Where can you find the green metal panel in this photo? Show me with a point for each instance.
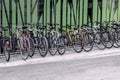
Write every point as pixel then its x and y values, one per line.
pixel 47 13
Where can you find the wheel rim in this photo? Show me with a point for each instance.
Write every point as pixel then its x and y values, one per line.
pixel 43 47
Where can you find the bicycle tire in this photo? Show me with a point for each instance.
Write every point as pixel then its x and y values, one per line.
pixel 25 49
pixel 32 48
pixel 118 39
pixel 98 41
pixel 115 39
pixel 52 45
pixel 88 42
pixel 107 41
pixel 6 51
pixel 43 46
pixel 61 45
pixel 77 43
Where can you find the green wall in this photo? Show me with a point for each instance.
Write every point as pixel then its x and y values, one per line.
pixel 58 12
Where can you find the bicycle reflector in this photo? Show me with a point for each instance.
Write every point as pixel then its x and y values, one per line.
pixel 8 44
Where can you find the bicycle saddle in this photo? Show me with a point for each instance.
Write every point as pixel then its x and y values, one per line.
pixel 51 27
pixel 117 24
pixel 24 27
pixel 60 29
pixel 43 27
pixel 5 28
pixel 97 22
pixel 68 25
pixel 75 28
pixel 85 25
pixel 114 24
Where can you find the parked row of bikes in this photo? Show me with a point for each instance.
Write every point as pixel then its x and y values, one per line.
pixel 32 37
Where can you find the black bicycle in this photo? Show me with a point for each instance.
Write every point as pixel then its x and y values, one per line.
pixel 56 42
pixel 106 34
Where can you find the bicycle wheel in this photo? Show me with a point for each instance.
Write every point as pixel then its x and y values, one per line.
pixel 118 39
pixel 87 42
pixel 32 48
pixel 77 43
pixel 107 41
pixel 43 46
pixel 98 42
pixel 52 45
pixel 25 49
pixel 115 39
pixel 6 50
pixel 61 45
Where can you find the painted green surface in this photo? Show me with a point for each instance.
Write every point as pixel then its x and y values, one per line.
pixel 58 12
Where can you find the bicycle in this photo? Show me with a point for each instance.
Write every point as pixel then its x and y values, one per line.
pixel 55 41
pixel 4 43
pixel 27 41
pixel 73 38
pixel 20 42
pixel 97 35
pixel 38 36
pixel 116 34
pixel 87 37
pixel 106 35
pixel 42 40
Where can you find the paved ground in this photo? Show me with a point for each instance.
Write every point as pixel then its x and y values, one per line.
pixel 17 56
pixel 95 65
pixel 106 68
